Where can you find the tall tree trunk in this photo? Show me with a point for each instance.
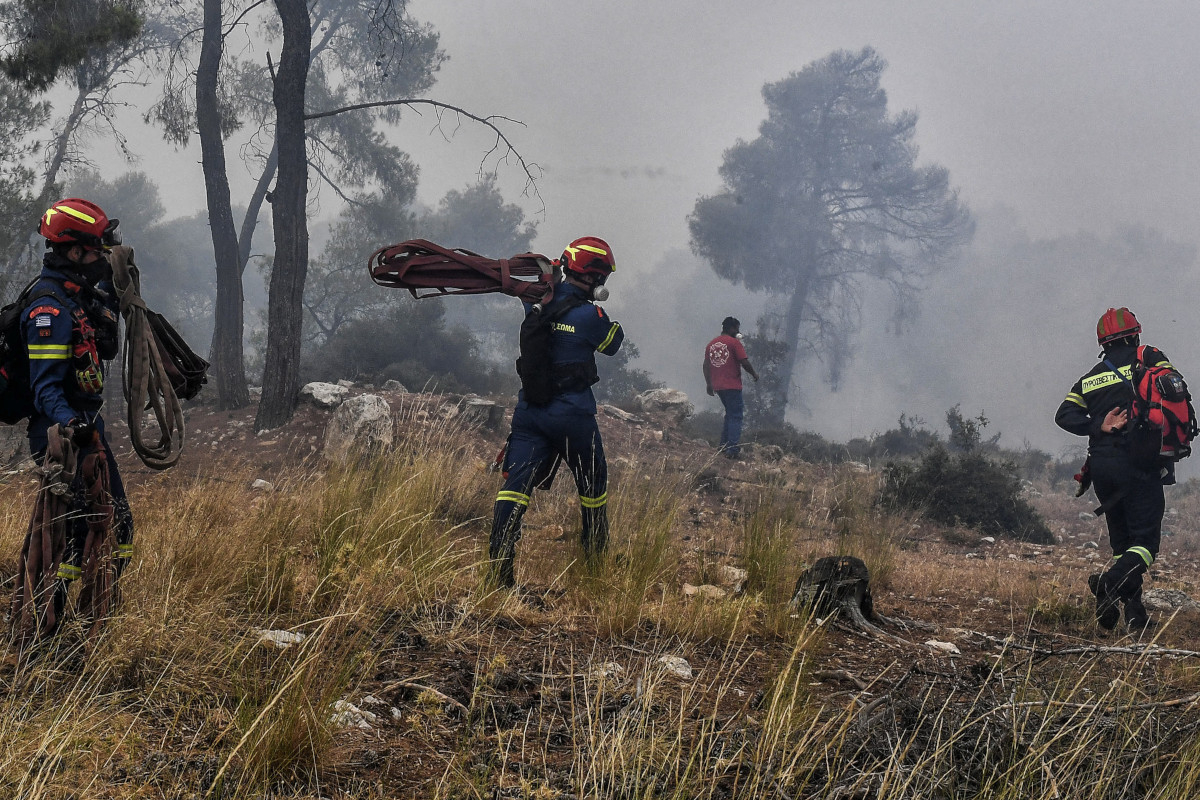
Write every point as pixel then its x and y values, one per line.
pixel 777 406
pixel 281 379
pixel 228 365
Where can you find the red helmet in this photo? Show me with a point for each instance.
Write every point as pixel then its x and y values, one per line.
pixel 1117 323
pixel 588 255
pixel 77 221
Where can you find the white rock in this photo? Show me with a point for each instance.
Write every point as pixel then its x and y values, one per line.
pixel 735 577
pixel 1086 515
pixel 988 539
pixel 945 647
pixel 670 402
pixel 704 590
pixel 618 413
pixel 609 669
pixel 281 639
pixel 346 384
pixel 361 424
pixel 348 715
pixel 324 395
pixel 1168 600
pixel 262 486
pixel 394 386
pixel 677 665
pixel 1090 546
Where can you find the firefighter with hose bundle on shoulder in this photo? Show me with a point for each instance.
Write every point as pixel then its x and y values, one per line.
pixel 69 322
pixel 555 417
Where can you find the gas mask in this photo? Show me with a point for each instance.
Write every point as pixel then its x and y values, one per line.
pixel 599 291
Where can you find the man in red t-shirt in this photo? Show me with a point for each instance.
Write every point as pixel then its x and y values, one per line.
pixel 724 359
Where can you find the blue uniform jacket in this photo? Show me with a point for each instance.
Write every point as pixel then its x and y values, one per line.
pixel 578 335
pixel 51 327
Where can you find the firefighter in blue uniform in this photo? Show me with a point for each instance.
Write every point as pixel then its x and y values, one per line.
pixel 564 428
pixel 70 324
pixel 1130 491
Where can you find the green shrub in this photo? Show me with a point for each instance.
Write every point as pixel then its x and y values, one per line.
pixel 965 489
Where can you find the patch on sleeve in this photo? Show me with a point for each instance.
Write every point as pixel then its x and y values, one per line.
pixel 44 310
pixel 43 321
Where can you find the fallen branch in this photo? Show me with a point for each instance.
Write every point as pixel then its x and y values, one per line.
pixel 841 674
pixel 419 687
pixel 1096 649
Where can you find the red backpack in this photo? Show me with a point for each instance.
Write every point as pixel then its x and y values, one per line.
pixel 1163 403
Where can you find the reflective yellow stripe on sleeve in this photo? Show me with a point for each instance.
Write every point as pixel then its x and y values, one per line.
pixel 1077 400
pixel 1105 379
pixel 49 352
pixel 513 497
pixel 593 502
pixel 69 572
pixel 608 339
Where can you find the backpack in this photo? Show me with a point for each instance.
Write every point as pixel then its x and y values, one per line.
pixel 1163 403
pixel 534 367
pixel 1162 422
pixel 16 395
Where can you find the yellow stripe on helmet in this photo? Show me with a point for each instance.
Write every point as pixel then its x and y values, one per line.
pixel 74 213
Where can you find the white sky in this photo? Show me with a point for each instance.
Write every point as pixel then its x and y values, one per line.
pixel 1077 114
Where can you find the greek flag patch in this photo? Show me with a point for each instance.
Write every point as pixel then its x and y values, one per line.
pixel 43 321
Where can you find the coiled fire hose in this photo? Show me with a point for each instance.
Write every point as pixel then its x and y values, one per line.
pixel 146 379
pixel 418 264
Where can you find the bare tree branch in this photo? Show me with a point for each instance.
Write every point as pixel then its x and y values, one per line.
pixel 488 121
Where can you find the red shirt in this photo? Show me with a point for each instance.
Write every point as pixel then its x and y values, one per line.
pixel 725 355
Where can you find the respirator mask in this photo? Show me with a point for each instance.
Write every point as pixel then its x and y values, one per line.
pixel 599 290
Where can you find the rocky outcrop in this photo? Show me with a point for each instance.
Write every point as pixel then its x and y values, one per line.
pixel 670 404
pixel 362 424
pixel 324 395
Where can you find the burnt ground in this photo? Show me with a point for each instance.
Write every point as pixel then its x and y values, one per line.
pixel 531 657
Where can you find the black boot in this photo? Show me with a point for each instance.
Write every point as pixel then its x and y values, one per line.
pixel 1136 618
pixel 1108 611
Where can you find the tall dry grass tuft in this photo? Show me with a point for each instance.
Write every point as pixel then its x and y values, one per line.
pixel 859 525
pixel 644 501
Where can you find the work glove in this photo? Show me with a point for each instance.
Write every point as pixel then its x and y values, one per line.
pixel 83 434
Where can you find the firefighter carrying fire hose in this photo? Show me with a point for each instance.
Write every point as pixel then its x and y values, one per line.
pixel 70 328
pixel 555 417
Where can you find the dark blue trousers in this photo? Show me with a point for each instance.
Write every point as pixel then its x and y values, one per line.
pixel 731 431
pixel 538 443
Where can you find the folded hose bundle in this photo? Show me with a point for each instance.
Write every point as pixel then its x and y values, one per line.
pixel 420 265
pixel 159 369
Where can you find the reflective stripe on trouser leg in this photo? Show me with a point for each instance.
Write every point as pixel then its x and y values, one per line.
pixel 506 523
pixel 1123 580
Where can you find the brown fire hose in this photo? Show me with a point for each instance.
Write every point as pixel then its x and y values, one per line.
pixel 33 612
pixel 419 265
pixel 146 373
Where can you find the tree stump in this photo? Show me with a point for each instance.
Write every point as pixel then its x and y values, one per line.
pixel 837 583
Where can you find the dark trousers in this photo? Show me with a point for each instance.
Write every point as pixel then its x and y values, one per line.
pixel 731 431
pixel 1134 502
pixel 536 445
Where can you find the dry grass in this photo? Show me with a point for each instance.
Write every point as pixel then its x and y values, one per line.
pixel 560 688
